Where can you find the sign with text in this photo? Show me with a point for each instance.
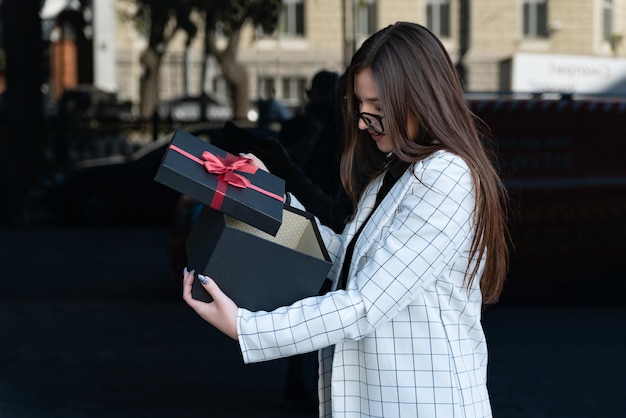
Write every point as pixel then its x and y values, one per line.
pixel 566 73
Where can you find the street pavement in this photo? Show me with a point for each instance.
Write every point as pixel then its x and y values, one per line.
pixel 92 325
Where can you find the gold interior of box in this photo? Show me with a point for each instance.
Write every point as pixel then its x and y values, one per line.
pixel 296 232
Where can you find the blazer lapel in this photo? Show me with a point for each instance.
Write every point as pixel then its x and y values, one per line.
pixel 385 211
pixel 382 216
pixel 363 210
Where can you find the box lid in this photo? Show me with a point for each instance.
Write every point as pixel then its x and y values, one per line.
pixel 224 182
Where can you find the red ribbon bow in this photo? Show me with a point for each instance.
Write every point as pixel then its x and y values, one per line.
pixel 225 168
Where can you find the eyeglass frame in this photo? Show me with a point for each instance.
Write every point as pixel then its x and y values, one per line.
pixel 364 117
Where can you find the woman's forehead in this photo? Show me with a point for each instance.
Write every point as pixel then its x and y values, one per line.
pixel 364 86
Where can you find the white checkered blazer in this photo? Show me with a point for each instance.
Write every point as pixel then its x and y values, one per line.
pixel 405 338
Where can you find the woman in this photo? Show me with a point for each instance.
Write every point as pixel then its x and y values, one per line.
pixel 400 334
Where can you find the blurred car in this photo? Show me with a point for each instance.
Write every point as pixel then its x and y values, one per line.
pixel 88 102
pixel 272 111
pixel 219 109
pixel 188 108
pixel 117 190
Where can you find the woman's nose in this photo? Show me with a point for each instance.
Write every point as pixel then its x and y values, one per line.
pixel 361 124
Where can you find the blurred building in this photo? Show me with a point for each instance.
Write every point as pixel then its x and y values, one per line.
pixel 493 42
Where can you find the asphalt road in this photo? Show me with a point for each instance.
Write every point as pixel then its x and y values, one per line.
pixel 92 325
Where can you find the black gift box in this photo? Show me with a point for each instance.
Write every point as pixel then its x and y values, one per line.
pixel 257 270
pixel 182 169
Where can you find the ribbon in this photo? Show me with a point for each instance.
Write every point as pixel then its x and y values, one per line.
pixel 225 168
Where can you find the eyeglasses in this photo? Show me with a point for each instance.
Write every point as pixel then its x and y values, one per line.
pixel 373 122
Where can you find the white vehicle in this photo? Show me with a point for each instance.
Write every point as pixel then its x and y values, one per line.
pixel 188 109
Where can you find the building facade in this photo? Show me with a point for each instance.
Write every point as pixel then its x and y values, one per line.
pixel 480 35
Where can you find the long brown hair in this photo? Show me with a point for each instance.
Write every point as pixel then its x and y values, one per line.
pixel 415 75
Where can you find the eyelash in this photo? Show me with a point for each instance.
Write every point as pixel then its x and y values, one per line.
pixel 359 103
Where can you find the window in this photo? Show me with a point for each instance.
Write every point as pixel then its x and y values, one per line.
pixel 607 19
pixel 267 88
pixel 364 18
pixel 291 20
pixel 535 18
pixel 294 89
pixel 438 17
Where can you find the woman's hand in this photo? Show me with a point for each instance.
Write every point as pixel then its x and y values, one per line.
pixel 221 313
pixel 254 160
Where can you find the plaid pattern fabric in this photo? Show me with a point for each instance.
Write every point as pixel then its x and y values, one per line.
pixel 405 338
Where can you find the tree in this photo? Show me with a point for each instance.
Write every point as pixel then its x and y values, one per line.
pixel 161 19
pixel 229 17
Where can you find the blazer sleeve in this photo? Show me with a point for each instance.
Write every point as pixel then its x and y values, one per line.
pixel 413 242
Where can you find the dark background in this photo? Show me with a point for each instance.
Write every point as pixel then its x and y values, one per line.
pixel 92 324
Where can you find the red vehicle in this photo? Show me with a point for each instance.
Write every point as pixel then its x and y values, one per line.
pixel 562 160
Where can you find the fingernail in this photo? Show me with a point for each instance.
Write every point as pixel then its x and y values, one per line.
pixel 185 270
pixel 203 279
pixel 193 271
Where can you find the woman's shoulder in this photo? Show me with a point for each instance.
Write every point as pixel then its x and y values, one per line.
pixel 442 171
pixel 440 161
